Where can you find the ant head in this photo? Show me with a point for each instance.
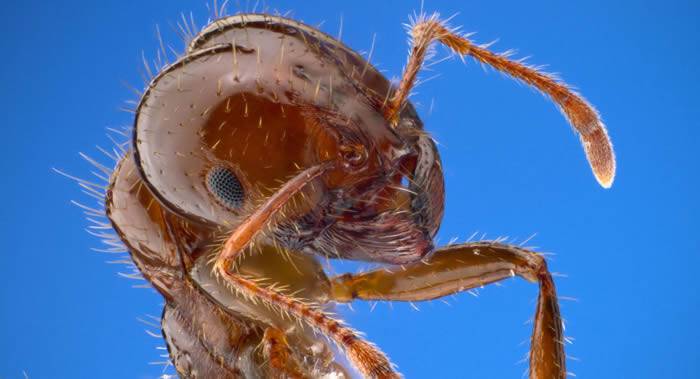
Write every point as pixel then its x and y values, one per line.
pixel 254 100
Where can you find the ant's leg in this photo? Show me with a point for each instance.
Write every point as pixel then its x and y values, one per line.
pixel 582 116
pixel 367 358
pixel 277 352
pixel 461 267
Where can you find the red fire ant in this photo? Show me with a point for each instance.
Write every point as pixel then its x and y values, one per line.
pixel 268 144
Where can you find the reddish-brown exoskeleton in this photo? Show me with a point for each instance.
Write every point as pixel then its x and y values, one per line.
pixel 269 144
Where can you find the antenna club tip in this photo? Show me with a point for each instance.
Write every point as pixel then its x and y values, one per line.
pixel 601 156
pixel 605 181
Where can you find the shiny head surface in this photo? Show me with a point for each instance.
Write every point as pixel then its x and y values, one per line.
pixel 258 98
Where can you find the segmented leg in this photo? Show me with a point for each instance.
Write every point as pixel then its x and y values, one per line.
pixel 278 354
pixel 582 116
pixel 367 358
pixel 462 267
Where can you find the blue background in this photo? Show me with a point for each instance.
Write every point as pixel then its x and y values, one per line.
pixel 513 168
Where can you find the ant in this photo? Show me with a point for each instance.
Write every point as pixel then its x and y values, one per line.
pixel 269 144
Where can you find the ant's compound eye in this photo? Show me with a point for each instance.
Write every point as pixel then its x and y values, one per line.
pixel 225 187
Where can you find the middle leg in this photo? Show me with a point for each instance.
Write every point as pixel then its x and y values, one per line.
pixel 462 267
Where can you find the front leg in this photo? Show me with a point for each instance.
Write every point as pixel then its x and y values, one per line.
pixel 462 267
pixel 367 358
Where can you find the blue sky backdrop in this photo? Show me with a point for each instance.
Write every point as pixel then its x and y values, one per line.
pixel 629 255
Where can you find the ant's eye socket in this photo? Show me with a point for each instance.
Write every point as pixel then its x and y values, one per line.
pixel 354 155
pixel 225 186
